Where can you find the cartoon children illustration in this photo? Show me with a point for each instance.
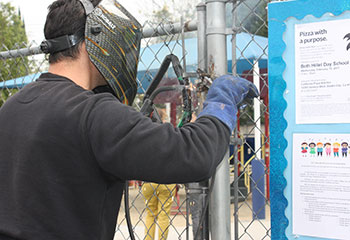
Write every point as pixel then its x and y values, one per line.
pixel 319 149
pixel 304 148
pixel 328 148
pixel 344 149
pixel 336 146
pixel 312 149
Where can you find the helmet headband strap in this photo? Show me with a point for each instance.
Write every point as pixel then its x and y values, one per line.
pixel 60 43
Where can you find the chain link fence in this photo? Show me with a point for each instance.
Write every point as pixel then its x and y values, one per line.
pixel 164 210
pixel 16 72
pixel 158 211
pixel 252 208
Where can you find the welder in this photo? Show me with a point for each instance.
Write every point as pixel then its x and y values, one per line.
pixel 66 152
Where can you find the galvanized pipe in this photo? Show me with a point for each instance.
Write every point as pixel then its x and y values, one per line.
pixel 202 37
pixel 234 38
pixel 171 28
pixel 147 33
pixel 236 161
pixel 20 53
pixel 219 205
pixel 216 37
pixel 220 216
pixel 198 192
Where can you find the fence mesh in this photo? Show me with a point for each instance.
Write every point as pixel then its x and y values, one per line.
pixel 16 72
pixel 157 210
pixel 251 213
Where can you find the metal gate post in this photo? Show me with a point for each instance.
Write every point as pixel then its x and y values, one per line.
pixel 202 36
pixel 220 216
pixel 236 161
pixel 198 192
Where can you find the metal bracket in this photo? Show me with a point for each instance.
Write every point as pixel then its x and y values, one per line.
pixel 222 31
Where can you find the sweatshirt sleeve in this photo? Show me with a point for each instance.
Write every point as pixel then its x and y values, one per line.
pixel 129 146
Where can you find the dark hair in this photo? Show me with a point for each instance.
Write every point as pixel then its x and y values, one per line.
pixel 313 144
pixel 65 17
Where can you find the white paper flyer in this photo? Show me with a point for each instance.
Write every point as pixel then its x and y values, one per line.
pixel 321 185
pixel 322 72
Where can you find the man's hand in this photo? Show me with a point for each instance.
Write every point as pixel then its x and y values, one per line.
pixel 225 95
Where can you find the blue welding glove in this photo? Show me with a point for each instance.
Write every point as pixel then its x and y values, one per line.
pixel 224 97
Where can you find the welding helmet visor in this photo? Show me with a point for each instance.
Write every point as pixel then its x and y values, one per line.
pixel 113 37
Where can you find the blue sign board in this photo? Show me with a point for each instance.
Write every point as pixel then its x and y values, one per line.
pixel 309 85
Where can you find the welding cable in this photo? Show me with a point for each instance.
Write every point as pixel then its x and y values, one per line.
pixel 171 58
pixel 127 211
pixel 147 108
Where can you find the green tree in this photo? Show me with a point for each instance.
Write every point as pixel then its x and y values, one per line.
pixel 12 36
pixel 5 94
pixel 251 16
pixel 258 20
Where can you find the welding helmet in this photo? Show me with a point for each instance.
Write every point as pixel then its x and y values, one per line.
pixel 112 37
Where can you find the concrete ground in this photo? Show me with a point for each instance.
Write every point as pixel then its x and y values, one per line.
pixel 248 229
